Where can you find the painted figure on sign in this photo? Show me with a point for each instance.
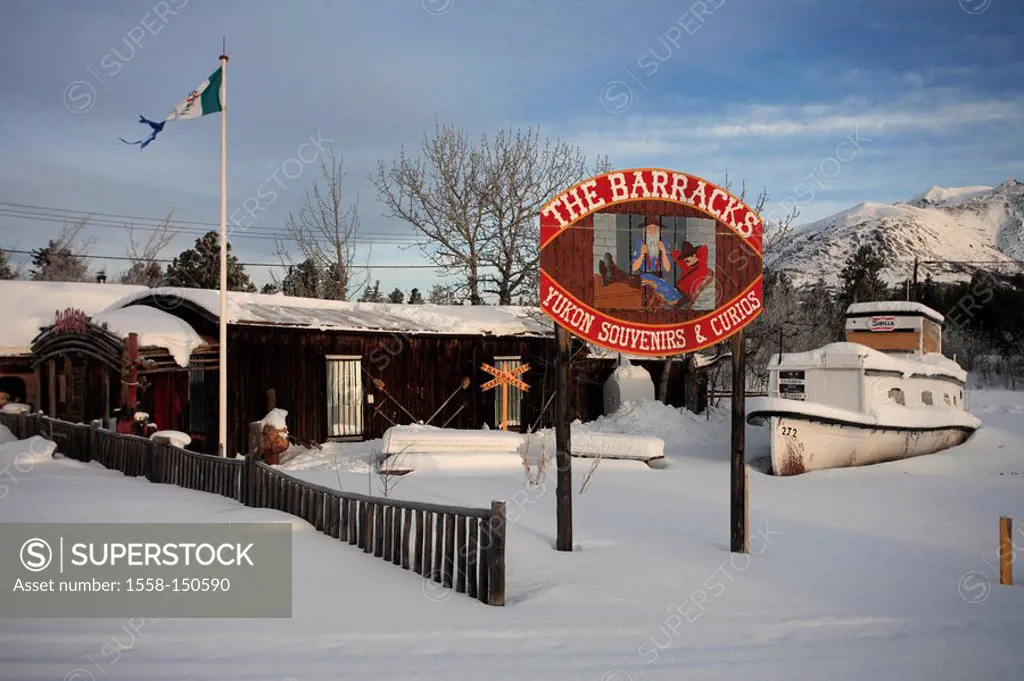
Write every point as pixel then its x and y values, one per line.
pixel 694 273
pixel 650 254
pixel 651 261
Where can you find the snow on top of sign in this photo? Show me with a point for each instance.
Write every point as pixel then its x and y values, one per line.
pixel 840 354
pixel 155 328
pixel 628 371
pixel 28 306
pixel 700 358
pixel 894 307
pixel 278 310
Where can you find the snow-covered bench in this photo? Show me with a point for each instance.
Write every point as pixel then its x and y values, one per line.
pixel 415 439
pixel 416 447
pixel 615 445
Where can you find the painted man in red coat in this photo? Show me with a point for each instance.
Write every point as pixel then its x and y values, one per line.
pixel 694 273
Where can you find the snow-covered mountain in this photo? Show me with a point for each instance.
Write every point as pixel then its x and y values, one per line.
pixel 966 223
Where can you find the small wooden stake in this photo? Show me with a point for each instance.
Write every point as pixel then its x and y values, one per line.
pixel 1005 550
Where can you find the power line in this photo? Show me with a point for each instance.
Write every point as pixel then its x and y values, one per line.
pixel 281 229
pixel 55 215
pixel 235 233
pixel 245 264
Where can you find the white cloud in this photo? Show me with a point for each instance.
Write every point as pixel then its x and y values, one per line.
pixel 934 110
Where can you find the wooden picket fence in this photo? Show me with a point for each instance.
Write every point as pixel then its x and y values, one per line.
pixel 458 549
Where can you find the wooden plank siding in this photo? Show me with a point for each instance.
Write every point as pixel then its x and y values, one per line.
pixel 886 341
pixel 420 372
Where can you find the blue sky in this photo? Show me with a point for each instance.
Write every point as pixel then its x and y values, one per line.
pixel 826 103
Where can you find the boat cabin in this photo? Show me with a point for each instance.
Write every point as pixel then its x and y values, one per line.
pixel 895 326
pixel 892 356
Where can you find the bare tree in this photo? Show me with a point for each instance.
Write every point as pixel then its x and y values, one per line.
pixel 475 204
pixel 389 469
pixel 522 173
pixel 7 270
pixel 325 230
pixel 534 477
pixel 144 252
pixel 779 304
pixel 439 196
pixel 440 295
pixel 602 165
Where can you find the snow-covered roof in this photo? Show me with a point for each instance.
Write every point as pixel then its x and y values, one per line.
pixel 894 307
pixel 857 355
pixel 28 306
pixel 279 310
pixel 155 328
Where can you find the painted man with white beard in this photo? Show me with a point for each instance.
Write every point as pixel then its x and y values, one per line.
pixel 651 260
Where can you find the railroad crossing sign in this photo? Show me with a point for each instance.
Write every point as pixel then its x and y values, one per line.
pixel 505 378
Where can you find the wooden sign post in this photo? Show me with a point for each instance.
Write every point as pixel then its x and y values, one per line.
pixel 688 276
pixel 563 444
pixel 738 533
pixel 505 379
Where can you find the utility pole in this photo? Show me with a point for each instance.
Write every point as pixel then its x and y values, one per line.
pixel 916 296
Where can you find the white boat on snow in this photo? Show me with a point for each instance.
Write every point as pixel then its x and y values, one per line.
pixel 886 393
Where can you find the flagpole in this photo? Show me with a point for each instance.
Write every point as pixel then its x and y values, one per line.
pixel 223 382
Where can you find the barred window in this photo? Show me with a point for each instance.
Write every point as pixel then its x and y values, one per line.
pixel 515 395
pixel 196 400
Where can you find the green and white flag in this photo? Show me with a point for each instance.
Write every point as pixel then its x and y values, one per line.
pixel 206 99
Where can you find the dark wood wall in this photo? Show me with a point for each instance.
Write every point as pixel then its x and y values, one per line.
pixel 420 372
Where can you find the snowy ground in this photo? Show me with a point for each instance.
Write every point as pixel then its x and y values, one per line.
pixel 870 573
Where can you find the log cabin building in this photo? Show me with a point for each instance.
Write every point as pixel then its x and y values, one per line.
pixel 342 370
pixel 28 306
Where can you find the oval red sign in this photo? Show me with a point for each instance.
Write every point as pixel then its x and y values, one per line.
pixel 649 261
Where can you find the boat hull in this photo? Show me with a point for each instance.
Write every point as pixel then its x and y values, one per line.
pixel 801 444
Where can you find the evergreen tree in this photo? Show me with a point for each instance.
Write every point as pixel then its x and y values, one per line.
pixel 335 282
pixel 397 296
pixel 415 297
pixel 7 272
pixel 826 315
pixel 199 267
pixel 372 295
pixel 149 274
pixel 57 262
pixel 861 277
pixel 270 288
pixel 929 294
pixel 304 280
pixel 441 295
